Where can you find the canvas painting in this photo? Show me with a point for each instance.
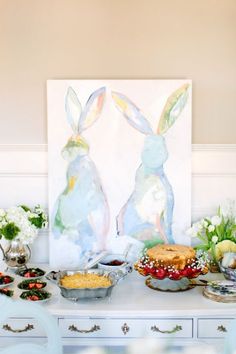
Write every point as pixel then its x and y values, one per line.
pixel 119 165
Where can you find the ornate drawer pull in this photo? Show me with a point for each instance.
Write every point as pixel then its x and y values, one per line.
pixel 73 328
pixel 174 330
pixel 29 327
pixel 125 328
pixel 221 328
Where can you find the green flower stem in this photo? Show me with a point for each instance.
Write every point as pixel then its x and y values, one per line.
pixel 213 252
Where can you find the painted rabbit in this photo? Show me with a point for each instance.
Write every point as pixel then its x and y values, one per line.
pixel 81 212
pixel 148 213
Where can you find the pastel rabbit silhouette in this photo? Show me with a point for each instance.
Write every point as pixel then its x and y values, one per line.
pixel 81 211
pixel 148 213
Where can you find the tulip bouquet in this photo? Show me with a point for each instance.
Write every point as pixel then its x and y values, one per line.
pixel 217 234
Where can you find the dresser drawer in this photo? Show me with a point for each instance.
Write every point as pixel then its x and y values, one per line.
pixel 21 327
pixel 126 328
pixel 213 328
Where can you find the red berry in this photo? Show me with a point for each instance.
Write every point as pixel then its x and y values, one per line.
pixel 176 275
pixel 6 280
pixel 152 271
pixel 195 272
pixel 39 285
pixel 160 273
pixel 184 272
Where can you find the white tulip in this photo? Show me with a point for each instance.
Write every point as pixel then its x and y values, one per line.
pixel 211 228
pixel 192 232
pixel 2 213
pixel 214 239
pixel 216 220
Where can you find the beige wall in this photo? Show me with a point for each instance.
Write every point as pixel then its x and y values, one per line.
pixel 50 39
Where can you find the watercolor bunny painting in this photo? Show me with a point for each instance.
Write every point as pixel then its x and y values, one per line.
pixel 81 211
pixel 147 215
pixel 117 170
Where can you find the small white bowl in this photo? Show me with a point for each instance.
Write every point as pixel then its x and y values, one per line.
pixel 125 266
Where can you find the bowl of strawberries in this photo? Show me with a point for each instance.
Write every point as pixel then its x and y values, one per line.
pixel 31 273
pixel 5 280
pixel 35 295
pixel 32 284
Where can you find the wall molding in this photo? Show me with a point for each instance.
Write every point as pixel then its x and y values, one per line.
pixel 24 172
pixel 44 147
pixel 214 147
pixel 23 147
pixel 208 160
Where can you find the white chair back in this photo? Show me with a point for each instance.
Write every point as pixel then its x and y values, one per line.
pixel 21 308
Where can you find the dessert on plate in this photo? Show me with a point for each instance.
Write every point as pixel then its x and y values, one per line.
pixel 171 261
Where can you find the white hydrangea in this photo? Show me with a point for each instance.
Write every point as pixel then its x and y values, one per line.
pixel 19 217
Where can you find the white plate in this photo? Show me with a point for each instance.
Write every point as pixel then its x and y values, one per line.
pixel 8 284
pixel 31 278
pixel 37 301
pixel 222 288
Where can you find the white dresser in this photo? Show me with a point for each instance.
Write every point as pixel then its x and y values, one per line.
pixel 132 311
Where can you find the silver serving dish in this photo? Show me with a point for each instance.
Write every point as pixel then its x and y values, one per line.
pixel 229 273
pixel 76 294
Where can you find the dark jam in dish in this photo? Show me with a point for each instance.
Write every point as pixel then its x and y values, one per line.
pixel 114 263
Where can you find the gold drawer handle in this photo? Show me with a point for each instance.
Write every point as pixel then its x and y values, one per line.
pixel 125 328
pixel 174 330
pixel 73 328
pixel 8 328
pixel 221 328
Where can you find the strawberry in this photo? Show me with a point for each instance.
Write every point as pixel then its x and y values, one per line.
pixel 184 272
pixel 6 280
pixel 195 272
pixel 33 298
pixel 160 273
pixel 176 275
pixel 38 285
pixel 31 285
pixel 27 275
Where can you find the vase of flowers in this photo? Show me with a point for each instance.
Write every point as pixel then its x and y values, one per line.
pixel 19 227
pixel 217 234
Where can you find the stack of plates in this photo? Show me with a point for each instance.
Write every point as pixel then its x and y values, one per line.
pixel 221 291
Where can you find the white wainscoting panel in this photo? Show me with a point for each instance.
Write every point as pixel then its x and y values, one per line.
pixel 23 179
